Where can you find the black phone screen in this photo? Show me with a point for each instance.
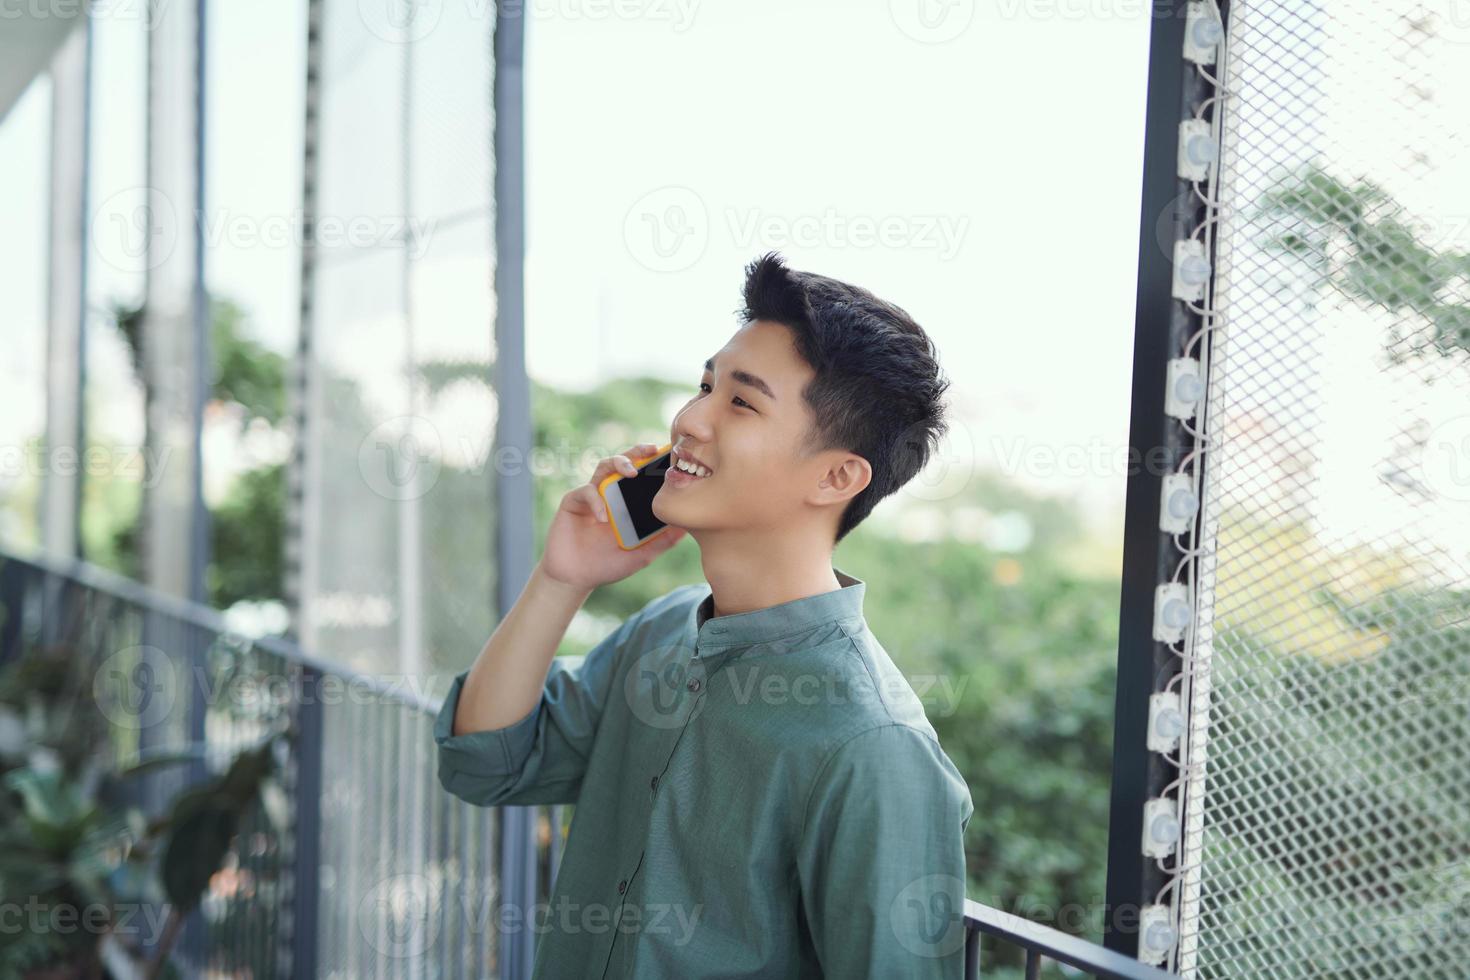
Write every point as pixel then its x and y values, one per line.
pixel 639 491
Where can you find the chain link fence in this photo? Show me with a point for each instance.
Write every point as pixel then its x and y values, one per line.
pixel 1324 790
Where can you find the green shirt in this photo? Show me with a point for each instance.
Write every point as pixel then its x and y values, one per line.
pixel 758 795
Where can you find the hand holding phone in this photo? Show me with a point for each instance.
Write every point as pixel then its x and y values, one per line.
pixel 582 549
pixel 628 497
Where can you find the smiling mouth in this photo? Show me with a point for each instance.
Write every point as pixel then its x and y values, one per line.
pixel 673 461
pixel 681 478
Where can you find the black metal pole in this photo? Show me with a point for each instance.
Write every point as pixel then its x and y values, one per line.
pixel 13 579
pixel 299 951
pixel 306 795
pixel 1157 443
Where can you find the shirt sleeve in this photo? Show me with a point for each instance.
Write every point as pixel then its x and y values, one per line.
pixel 542 757
pixel 881 863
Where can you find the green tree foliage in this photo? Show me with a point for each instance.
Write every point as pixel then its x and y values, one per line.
pixel 1355 236
pixel 245 370
pixel 246 530
pixel 247 533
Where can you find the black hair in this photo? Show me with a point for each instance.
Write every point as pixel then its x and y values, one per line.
pixel 877 389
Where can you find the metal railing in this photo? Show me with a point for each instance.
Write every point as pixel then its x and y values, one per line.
pixel 1040 943
pixel 375 870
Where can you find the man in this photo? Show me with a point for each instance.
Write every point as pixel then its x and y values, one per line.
pixel 758 790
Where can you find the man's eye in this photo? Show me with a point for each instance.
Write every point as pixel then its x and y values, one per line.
pixel 738 400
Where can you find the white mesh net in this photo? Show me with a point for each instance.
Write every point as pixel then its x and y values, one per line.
pixel 1326 791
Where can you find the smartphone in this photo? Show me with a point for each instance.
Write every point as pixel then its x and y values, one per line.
pixel 629 499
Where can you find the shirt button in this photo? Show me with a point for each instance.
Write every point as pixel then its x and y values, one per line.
pixel 693 684
pixel 653 783
pixel 622 886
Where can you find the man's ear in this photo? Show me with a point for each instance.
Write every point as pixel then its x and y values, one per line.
pixel 847 478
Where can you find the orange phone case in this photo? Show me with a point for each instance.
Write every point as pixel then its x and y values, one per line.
pixel 638 461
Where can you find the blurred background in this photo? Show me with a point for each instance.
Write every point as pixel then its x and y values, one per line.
pixel 314 309
pixel 665 147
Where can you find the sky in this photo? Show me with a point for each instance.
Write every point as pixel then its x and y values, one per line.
pixel 977 164
pixel 987 182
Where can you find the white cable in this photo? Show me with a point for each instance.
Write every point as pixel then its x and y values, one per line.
pixel 1205 232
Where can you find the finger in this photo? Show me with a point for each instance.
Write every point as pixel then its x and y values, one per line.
pixel 619 464
pixel 607 466
pixel 591 502
pixel 644 451
pixel 623 466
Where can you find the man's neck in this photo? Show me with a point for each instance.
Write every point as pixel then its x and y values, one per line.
pixel 744 581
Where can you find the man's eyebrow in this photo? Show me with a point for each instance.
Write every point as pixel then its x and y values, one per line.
pixel 745 378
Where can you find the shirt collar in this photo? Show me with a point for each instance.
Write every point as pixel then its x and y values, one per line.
pixel 783 619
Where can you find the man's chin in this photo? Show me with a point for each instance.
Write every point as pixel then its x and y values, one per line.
pixel 670 513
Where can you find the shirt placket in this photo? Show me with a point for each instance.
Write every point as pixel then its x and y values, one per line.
pixel 695 681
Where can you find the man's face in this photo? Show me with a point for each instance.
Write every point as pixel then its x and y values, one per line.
pixel 749 438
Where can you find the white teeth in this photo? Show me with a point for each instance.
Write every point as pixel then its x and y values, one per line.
pixel 693 468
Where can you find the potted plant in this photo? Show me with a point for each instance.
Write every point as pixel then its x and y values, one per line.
pixel 71 858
